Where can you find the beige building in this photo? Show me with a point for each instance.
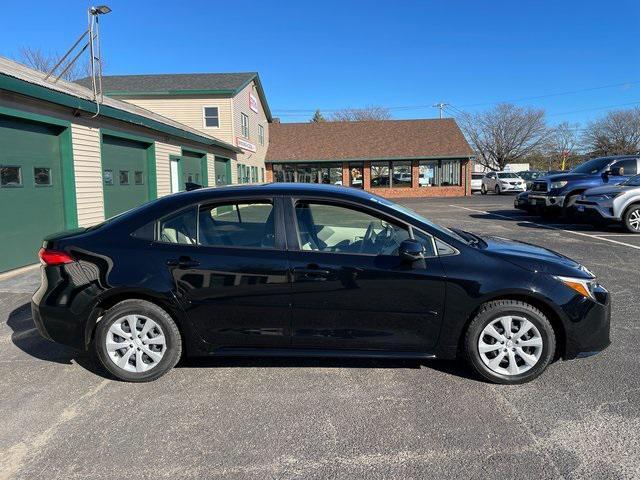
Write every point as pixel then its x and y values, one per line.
pixel 230 106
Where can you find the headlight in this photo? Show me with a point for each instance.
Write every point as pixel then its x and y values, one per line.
pixel 583 286
pixel 604 196
pixel 561 184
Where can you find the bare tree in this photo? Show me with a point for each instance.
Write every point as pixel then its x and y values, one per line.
pixel 617 133
pixel 563 145
pixel 44 62
pixel 361 114
pixel 505 134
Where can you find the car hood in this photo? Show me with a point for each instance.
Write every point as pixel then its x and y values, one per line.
pixel 570 177
pixel 610 189
pixel 533 257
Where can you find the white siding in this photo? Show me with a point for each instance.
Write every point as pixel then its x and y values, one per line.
pixel 241 105
pixel 163 167
pixel 88 174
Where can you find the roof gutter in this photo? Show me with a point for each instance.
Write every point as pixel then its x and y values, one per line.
pixel 26 88
pixel 371 159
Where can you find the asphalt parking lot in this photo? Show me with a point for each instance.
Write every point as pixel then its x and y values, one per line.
pixel 257 418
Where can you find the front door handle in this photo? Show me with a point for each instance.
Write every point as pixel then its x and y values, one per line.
pixel 182 262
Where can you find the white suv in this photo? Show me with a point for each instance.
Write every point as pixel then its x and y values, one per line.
pixel 502 182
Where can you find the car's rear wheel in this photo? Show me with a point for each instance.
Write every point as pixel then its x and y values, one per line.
pixel 509 342
pixel 137 341
pixel 632 219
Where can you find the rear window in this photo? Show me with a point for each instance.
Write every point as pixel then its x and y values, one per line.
pixel 477 176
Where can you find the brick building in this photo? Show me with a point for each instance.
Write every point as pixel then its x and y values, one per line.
pixel 393 158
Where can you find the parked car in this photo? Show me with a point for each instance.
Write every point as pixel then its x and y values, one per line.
pixel 317 270
pixel 530 175
pixel 502 182
pixel 476 182
pixel 522 201
pixel 614 203
pixel 557 194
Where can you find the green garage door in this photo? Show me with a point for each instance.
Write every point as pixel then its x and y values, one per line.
pixel 125 174
pixel 194 168
pixel 31 194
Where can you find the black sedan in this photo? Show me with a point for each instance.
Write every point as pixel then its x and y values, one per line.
pixel 310 270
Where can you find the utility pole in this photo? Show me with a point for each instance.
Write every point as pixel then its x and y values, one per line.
pixel 440 106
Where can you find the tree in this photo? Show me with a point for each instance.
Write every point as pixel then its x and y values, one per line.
pixel 563 144
pixel 44 62
pixel 317 117
pixel 361 114
pixel 617 133
pixel 505 134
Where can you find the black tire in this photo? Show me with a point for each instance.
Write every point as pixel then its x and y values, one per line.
pixel 498 308
pixel 483 189
pixel 173 340
pixel 497 190
pixel 629 215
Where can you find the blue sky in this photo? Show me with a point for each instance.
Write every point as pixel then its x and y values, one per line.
pixel 335 54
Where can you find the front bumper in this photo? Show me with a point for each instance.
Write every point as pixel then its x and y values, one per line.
pixel 603 210
pixel 547 201
pixel 588 331
pixel 512 188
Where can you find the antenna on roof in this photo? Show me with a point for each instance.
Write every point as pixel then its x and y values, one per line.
pixel 95 61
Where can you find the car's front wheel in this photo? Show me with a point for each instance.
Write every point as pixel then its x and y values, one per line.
pixel 509 342
pixel 483 189
pixel 632 219
pixel 497 190
pixel 137 341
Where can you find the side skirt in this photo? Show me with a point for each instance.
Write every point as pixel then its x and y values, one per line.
pixel 316 353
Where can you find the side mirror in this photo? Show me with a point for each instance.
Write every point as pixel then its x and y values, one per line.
pixel 411 250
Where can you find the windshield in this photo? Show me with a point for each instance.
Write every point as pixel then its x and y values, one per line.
pixel 507 175
pixel 633 181
pixel 418 217
pixel 592 166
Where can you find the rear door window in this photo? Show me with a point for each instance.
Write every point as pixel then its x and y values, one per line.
pixel 238 224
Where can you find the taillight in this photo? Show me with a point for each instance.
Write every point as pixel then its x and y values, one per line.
pixel 54 257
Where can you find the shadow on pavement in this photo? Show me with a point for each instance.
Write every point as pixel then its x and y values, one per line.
pixel 26 338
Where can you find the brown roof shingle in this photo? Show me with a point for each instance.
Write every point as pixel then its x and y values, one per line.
pixel 385 139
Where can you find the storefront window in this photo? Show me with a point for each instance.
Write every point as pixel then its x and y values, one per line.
pixel 444 173
pixel 380 174
pixel 450 173
pixel 356 175
pixel 401 174
pixel 328 173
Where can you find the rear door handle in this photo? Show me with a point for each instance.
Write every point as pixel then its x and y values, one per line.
pixel 182 262
pixel 312 273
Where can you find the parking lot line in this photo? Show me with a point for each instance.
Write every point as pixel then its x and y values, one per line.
pixel 582 234
pixel 618 235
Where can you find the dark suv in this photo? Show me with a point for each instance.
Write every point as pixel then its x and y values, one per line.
pixel 558 193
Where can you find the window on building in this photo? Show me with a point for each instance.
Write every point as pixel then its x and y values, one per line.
pixel 124 177
pixel 138 177
pixel 10 176
pixel 380 174
pixel 42 176
pixel 262 175
pixel 211 117
pixel 327 173
pixel 108 177
pixel 244 119
pixel 356 175
pixel 261 134
pixel 334 228
pixel 238 225
pixel 401 174
pixel 434 173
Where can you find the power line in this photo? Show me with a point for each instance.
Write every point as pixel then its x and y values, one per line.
pixel 301 112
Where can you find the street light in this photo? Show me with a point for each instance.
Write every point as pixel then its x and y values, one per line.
pixel 101 10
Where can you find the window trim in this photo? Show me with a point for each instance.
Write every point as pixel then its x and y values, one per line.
pixel 243 117
pixel 37 185
pixel 19 167
pixel 204 116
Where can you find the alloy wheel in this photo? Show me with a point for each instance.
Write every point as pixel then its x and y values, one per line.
pixel 634 220
pixel 510 345
pixel 135 343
